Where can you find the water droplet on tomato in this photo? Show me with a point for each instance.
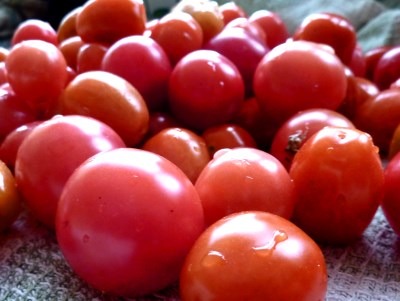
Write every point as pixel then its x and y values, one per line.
pixel 278 237
pixel 213 258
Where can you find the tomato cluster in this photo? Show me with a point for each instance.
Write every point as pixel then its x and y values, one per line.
pixel 210 147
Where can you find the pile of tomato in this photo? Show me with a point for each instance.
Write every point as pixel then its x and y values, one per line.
pixel 209 148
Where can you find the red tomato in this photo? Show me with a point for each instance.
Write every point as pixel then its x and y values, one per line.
pixel 67 26
pixel 394 146
pixel 358 63
pixel 205 89
pixel 243 179
pixel 143 63
pixel 274 27
pixel 371 59
pixel 331 29
pixel 296 76
pixel 182 147
pixel 178 33
pixel 90 57
pixel 338 180
pixel 70 48
pixel 37 72
pixel 299 128
pixel 387 68
pixel 126 220
pixel 231 10
pixel 391 200
pixel 254 30
pixel 62 143
pixel 254 256
pixel 34 29
pixel 227 135
pixel 159 121
pixel 105 22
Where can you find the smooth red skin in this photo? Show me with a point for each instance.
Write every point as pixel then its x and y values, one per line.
pixel 10 145
pixel 338 180
pixel 391 200
pixel 228 135
pixel 243 179
pixel 371 59
pixel 142 62
pixel 126 220
pixel 252 29
pixel 299 128
pixel 275 29
pixel 51 152
pixel 358 63
pixel 243 50
pixel 297 76
pixel 106 22
pixel 379 116
pixel 238 259
pixel 231 11
pixel 13 111
pixel 34 29
pixel 90 57
pixel 70 48
pixel 387 68
pixel 205 89
pixel 331 29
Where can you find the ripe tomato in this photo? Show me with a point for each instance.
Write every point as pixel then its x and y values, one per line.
pixel 105 22
pixel 110 99
pixel 67 26
pixel 372 57
pixel 10 200
pixel 254 30
pixel 182 147
pixel 62 143
pixel 331 29
pixel 159 121
pixel 387 68
pixel 144 64
pixel 299 75
pixel 205 89
pixel 243 179
pixel 37 72
pixel 70 48
pixel 231 10
pixel 299 128
pixel 391 200
pixel 90 57
pixel 178 33
pixel 34 29
pixel 126 220
pixel 338 180
pixel 254 256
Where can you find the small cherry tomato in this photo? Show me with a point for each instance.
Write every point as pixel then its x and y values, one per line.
pixel 90 57
pixel 34 29
pixel 338 182
pixel 254 255
pixel 70 48
pixel 387 68
pixel 372 57
pixel 231 10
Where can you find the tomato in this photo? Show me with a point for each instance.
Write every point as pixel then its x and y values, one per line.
pixel 387 68
pixel 126 220
pixel 34 29
pixel 62 143
pixel 159 121
pixel 143 63
pixel 299 128
pixel 105 22
pixel 331 29
pixel 110 99
pixel 274 27
pixel 372 57
pixel 228 135
pixel 296 76
pixel 379 116
pixel 67 25
pixel 391 200
pixel 358 63
pixel 254 256
pixel 205 89
pixel 10 200
pixel 244 50
pixel 90 57
pixel 13 111
pixel 37 72
pixel 70 48
pixel 231 10
pixel 178 33
pixel 182 147
pixel 254 30
pixel 338 180
pixel 243 179
pixel 394 146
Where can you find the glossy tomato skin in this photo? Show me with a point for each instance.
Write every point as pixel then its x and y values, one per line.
pixel 338 180
pixel 205 89
pixel 391 200
pixel 256 256
pixel 243 179
pixel 144 64
pixel 297 129
pixel 299 75
pixel 231 10
pixel 126 220
pixel 62 143
pixel 387 68
pixel 90 57
pixel 34 29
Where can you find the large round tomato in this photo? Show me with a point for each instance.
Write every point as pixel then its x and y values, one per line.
pixel 51 152
pixel 338 182
pixel 242 179
pixel 255 256
pixel 205 88
pixel 299 75
pixel 126 220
